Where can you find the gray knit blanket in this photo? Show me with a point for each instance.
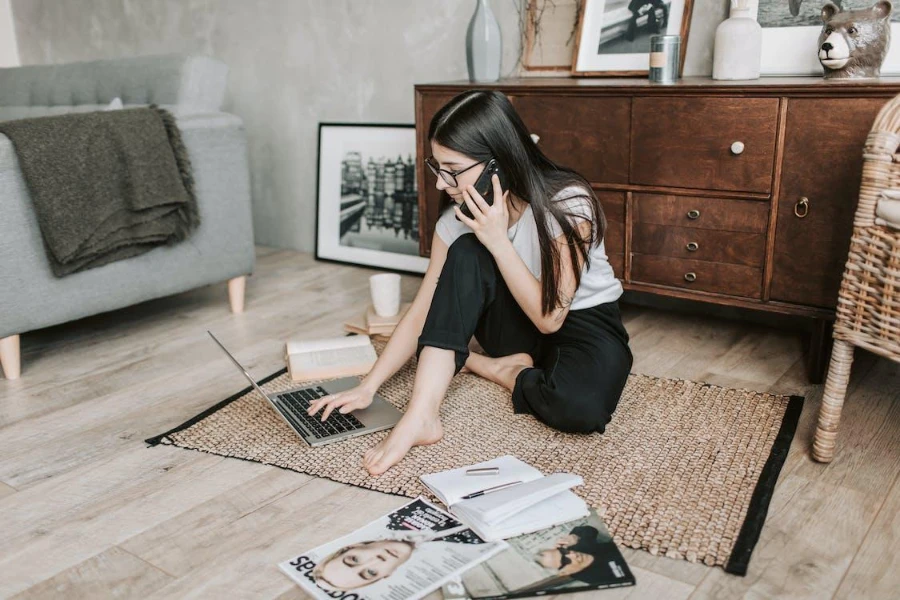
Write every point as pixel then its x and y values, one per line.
pixel 105 185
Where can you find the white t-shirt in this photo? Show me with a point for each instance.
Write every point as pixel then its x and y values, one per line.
pixel 598 284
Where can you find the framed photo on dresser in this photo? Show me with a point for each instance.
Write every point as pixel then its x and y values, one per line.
pixel 367 211
pixel 613 36
pixel 790 36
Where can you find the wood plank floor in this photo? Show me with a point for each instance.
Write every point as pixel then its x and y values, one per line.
pixel 89 511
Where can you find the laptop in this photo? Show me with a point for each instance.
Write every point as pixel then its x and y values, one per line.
pixel 293 404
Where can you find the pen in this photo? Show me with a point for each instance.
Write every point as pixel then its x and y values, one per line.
pixel 483 471
pixel 496 488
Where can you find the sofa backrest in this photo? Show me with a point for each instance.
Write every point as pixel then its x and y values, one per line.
pixel 187 83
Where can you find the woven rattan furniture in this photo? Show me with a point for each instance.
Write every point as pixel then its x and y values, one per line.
pixel 868 311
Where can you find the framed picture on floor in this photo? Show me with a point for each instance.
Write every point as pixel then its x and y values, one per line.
pixel 790 36
pixel 367 211
pixel 613 36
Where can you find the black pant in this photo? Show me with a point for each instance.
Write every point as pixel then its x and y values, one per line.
pixel 580 370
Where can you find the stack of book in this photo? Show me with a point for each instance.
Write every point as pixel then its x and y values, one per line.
pixel 370 323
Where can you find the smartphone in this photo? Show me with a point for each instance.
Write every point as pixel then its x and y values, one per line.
pixel 485 186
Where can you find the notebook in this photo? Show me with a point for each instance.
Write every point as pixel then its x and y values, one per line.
pixel 536 503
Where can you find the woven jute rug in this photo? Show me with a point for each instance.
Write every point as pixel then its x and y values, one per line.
pixel 685 469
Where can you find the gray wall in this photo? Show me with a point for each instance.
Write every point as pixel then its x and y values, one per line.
pixel 295 63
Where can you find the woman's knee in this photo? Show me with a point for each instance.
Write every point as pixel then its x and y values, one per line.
pixel 468 249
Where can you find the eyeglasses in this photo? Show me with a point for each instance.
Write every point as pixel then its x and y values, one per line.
pixel 448 176
pixel 563 559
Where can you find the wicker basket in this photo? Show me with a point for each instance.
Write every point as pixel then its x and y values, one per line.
pixel 868 311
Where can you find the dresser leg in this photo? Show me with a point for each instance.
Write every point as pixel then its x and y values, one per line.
pixel 820 344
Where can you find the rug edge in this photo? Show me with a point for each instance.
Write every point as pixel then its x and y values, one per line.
pixel 755 518
pixel 157 439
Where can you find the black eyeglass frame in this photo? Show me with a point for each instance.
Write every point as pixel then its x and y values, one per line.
pixel 445 174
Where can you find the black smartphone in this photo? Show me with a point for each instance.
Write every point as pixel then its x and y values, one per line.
pixel 485 186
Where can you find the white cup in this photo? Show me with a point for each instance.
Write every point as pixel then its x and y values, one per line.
pixel 385 289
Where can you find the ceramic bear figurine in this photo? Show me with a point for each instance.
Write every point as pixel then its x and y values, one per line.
pixel 853 43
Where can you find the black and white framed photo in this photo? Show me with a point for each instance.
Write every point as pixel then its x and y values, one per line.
pixel 367 209
pixel 613 36
pixel 790 36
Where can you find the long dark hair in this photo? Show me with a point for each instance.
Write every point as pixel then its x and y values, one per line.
pixel 483 124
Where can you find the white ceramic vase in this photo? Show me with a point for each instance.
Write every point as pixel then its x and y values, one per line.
pixel 484 47
pixel 738 47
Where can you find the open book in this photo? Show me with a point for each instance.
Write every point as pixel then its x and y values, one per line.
pixel 328 358
pixel 537 502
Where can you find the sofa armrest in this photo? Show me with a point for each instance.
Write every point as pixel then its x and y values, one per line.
pixel 193 83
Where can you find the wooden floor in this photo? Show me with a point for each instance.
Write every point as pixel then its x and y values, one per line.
pixel 89 511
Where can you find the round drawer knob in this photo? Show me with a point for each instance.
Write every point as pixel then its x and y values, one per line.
pixel 693 214
pixel 690 277
pixel 737 148
pixel 693 246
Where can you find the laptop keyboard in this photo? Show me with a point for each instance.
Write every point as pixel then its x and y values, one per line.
pixel 295 405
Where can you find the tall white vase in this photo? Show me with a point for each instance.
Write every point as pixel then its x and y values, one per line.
pixel 738 47
pixel 483 44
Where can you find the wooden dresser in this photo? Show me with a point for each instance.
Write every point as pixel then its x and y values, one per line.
pixel 732 193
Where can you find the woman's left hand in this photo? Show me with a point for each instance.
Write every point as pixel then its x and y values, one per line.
pixel 491 222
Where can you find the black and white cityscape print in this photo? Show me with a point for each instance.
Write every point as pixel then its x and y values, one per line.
pixel 379 203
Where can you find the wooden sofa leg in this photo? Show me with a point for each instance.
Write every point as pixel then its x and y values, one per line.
pixel 9 357
pixel 236 289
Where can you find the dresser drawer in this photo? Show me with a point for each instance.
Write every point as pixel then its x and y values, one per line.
pixel 720 278
pixel 751 216
pixel 705 143
pixel 588 134
pixel 733 247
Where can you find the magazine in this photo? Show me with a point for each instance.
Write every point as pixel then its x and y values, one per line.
pixel 573 557
pixel 403 555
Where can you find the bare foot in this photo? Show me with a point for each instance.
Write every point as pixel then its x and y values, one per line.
pixel 502 370
pixel 412 430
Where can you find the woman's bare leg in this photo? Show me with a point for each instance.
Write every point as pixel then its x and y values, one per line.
pixel 502 370
pixel 421 423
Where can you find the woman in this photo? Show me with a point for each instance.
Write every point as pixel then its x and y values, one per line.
pixel 528 277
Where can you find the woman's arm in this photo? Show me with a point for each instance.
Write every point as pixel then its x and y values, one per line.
pixel 526 288
pixel 404 340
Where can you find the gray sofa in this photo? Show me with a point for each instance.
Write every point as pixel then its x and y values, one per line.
pixel 220 249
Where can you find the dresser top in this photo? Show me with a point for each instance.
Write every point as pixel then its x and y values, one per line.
pixel 705 85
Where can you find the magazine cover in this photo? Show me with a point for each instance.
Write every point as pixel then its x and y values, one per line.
pixel 403 555
pixel 573 557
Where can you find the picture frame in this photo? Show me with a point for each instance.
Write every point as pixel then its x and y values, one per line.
pixel 613 38
pixel 790 43
pixel 367 196
pixel 549 37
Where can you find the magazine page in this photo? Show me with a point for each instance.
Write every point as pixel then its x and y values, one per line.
pixel 573 557
pixel 403 555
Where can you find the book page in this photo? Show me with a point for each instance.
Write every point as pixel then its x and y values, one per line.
pixel 326 358
pixel 344 341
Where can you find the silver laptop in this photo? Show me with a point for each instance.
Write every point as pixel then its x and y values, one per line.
pixel 292 406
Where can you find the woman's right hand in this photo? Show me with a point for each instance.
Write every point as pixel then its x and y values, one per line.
pixel 353 399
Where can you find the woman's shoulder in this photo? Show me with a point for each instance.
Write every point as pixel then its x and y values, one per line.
pixel 574 200
pixel 449 227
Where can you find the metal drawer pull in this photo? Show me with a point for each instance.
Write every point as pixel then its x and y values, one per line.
pixel 693 214
pixel 690 277
pixel 802 205
pixel 737 148
pixel 693 246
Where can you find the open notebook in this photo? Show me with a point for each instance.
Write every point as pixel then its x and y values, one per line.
pixel 536 503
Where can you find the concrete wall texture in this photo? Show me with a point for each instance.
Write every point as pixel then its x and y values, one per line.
pixel 293 64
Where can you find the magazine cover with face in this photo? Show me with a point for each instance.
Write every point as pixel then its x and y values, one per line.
pixel 573 557
pixel 403 555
